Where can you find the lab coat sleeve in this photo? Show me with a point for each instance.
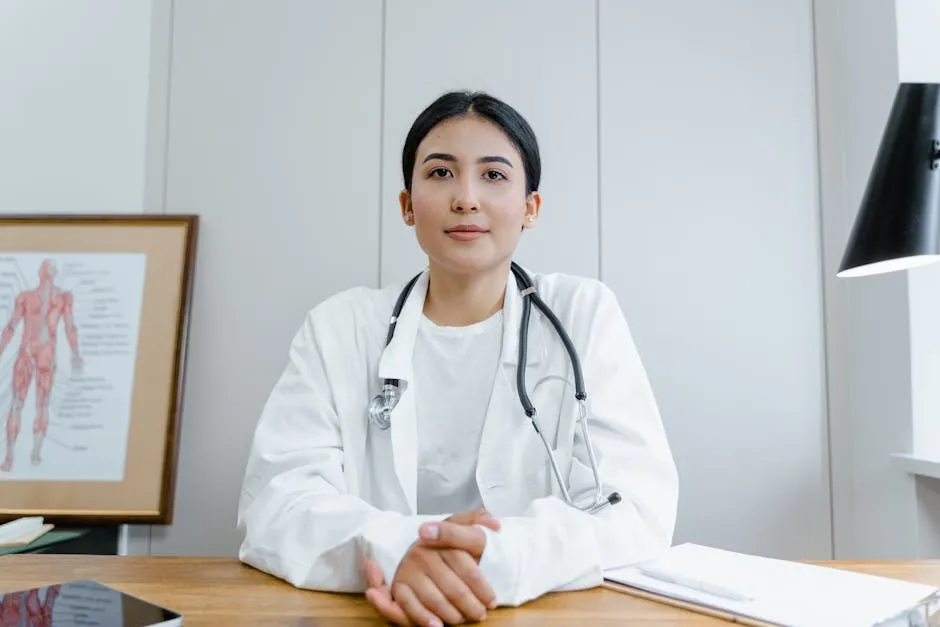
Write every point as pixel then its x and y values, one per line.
pixel 298 520
pixel 554 547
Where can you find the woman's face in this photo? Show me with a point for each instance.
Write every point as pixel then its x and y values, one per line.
pixel 468 200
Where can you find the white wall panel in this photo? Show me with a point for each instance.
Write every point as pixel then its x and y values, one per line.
pixel 539 57
pixel 74 81
pixel 81 86
pixel 710 236
pixel 869 348
pixel 274 141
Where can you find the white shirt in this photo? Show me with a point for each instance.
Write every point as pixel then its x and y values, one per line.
pixel 456 367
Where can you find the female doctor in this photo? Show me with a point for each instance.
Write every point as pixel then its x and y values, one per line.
pixel 413 453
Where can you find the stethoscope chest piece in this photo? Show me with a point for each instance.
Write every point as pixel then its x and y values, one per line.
pixel 382 405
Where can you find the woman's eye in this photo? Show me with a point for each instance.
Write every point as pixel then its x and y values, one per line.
pixel 439 172
pixel 494 175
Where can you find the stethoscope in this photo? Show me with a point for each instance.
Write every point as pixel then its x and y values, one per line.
pixel 382 405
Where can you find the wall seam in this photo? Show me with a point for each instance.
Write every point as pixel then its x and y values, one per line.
pixel 826 393
pixel 597 121
pixel 166 132
pixel 166 159
pixel 381 136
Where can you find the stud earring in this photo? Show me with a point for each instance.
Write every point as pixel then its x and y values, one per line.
pixel 531 219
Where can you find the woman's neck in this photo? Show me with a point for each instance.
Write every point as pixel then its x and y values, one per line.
pixel 462 300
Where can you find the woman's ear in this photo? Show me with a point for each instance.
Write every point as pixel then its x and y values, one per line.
pixel 407 213
pixel 533 205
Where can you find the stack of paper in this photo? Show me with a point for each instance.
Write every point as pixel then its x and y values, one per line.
pixel 776 592
pixel 22 531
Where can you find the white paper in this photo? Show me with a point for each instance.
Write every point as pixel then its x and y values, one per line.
pixel 84 603
pixel 781 592
pixel 16 529
pixel 87 408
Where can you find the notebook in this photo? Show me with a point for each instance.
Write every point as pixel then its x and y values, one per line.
pixel 81 602
pixel 764 591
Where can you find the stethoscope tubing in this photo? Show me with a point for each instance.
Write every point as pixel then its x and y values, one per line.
pixel 381 406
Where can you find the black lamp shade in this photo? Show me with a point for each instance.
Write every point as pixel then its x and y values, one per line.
pixel 898 223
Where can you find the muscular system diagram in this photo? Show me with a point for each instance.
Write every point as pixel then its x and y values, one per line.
pixel 69 331
pixel 38 613
pixel 40 311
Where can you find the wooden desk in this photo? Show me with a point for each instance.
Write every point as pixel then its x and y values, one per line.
pixel 221 591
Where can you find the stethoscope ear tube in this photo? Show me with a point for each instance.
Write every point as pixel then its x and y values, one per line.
pixel 525 286
pixel 529 296
pixel 396 311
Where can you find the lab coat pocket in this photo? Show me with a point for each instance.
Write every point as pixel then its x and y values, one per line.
pixel 551 395
pixel 539 476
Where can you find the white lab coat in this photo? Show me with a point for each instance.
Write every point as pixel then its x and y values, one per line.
pixel 324 490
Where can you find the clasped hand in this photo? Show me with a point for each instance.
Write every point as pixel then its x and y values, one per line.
pixel 439 580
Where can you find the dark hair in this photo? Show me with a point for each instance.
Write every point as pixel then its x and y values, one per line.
pixel 458 103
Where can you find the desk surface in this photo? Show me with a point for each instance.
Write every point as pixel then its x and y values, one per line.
pixel 221 591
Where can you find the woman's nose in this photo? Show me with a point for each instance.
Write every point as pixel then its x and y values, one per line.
pixel 465 200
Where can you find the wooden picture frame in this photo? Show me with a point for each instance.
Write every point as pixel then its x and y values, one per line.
pixel 98 444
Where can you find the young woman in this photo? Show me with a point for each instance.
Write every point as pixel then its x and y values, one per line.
pixel 447 502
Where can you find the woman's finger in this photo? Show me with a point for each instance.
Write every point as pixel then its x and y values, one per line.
pixel 479 516
pixel 450 535
pixel 467 569
pixel 374 576
pixel 381 600
pixel 436 591
pixel 486 519
pixel 417 612
pixel 458 594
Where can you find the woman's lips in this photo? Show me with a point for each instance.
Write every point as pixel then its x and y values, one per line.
pixel 465 233
pixel 465 236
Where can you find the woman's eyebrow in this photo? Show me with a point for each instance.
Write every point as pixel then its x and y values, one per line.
pixel 443 156
pixel 494 159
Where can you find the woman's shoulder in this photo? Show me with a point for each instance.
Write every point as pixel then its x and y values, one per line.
pixel 572 290
pixel 588 307
pixel 353 305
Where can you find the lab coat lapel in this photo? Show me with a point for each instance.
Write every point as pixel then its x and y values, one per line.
pixel 397 363
pixel 504 413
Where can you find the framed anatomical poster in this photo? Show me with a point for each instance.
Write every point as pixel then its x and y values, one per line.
pixel 93 335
